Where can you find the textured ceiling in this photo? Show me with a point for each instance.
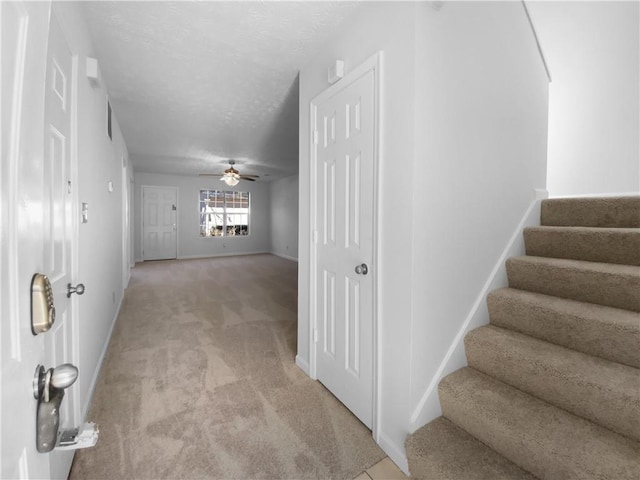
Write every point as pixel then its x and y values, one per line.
pixel 193 84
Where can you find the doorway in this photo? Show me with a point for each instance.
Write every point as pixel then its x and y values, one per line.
pixel 159 223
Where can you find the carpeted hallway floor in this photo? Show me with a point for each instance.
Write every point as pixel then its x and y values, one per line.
pixel 199 382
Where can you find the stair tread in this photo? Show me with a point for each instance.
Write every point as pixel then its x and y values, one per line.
pixel 547 441
pixel 441 450
pixel 597 212
pixel 608 332
pixel 594 244
pixel 568 379
pixel 609 268
pixel 601 283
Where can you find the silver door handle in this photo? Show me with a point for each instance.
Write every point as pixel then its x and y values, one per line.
pixel 48 389
pixel 362 269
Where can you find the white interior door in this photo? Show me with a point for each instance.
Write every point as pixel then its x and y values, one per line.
pixel 37 230
pixel 159 207
pixel 344 241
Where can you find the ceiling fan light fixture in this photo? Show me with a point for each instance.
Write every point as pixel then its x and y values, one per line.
pixel 230 179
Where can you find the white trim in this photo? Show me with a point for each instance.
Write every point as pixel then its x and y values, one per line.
pixel 75 228
pixel 98 370
pixel 396 453
pixel 597 195
pixel 302 364
pixel 478 315
pixel 213 255
pixel 372 64
pixel 535 36
pixel 286 257
pixel 313 234
pixel 377 220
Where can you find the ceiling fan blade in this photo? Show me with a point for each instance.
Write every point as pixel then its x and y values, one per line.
pixel 209 175
pixel 250 176
pixel 242 177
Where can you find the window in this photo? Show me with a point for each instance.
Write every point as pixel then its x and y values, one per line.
pixel 224 214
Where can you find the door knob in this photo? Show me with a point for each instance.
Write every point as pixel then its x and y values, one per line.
pixel 362 269
pixel 64 375
pixel 79 289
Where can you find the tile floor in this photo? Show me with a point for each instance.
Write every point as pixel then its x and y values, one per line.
pixel 385 469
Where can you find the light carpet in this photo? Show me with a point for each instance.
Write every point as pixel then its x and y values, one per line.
pixel 200 382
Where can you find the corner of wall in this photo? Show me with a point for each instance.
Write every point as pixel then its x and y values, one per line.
pixel 303 365
pixel 395 453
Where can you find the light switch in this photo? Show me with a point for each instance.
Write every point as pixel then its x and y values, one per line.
pixel 85 212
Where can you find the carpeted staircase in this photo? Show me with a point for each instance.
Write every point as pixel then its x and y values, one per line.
pixel 552 389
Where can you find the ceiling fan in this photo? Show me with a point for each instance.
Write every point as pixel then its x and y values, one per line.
pixel 231 176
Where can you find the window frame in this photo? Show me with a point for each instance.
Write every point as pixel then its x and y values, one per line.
pixel 225 213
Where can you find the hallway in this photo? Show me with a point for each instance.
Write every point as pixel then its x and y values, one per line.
pixel 199 381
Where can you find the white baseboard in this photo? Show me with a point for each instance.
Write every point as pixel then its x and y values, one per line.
pixel 303 365
pixel 213 255
pixel 597 195
pixel 286 257
pixel 395 453
pixel 428 407
pixel 96 374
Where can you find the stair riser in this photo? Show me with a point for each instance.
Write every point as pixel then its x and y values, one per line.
pixel 619 246
pixel 542 439
pixel 443 451
pixel 618 212
pixel 603 392
pixel 602 288
pixel 588 329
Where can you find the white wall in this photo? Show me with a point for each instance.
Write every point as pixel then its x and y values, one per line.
pixel 284 217
pixel 592 49
pixel 100 240
pixel 481 137
pixel 464 114
pixel 190 243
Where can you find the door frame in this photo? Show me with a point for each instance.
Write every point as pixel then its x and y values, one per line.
pixel 75 224
pixel 142 188
pixel 372 64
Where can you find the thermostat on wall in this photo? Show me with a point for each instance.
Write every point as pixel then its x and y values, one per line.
pixel 110 187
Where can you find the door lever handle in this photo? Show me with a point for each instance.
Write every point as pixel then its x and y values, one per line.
pixel 78 289
pixel 48 389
